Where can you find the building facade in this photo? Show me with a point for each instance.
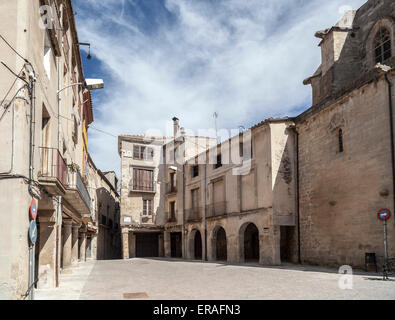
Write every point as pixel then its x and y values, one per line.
pixel 104 238
pixel 151 207
pixel 241 197
pixel 45 117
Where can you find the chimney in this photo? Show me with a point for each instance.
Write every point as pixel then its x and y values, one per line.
pixel 176 126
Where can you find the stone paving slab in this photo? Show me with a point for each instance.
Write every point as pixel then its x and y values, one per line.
pixel 179 279
pixel 71 283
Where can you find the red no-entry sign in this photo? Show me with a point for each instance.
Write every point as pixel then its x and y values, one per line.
pixel 384 214
pixel 33 209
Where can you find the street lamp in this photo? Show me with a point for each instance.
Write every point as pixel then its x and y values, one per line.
pixel 90 84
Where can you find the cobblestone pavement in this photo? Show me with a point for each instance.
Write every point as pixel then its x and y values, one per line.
pixel 177 279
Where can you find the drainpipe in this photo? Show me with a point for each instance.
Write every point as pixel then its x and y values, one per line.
pixel 297 191
pixel 32 93
pixel 205 209
pixel 183 211
pixel 298 195
pixel 390 103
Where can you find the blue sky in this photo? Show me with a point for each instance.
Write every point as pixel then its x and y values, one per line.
pixel 244 59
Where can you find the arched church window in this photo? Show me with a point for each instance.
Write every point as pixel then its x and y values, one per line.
pixel 382 45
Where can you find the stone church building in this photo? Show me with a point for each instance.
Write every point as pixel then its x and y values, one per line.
pixel 345 146
pixel 314 183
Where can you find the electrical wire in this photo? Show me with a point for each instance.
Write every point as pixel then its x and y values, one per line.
pixel 16 52
pixel 104 132
pixel 8 92
pixel 11 101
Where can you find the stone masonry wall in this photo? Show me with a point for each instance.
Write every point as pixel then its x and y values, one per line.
pixel 341 193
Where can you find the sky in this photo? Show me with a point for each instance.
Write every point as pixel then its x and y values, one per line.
pixel 244 59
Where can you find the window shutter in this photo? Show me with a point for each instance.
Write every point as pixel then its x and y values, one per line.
pixel 144 207
pixel 136 152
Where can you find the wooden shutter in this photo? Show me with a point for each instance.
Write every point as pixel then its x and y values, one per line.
pixel 136 152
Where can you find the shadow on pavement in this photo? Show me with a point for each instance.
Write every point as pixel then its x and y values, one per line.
pixel 284 266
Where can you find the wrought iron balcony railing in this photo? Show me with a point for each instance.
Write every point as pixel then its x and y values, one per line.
pixel 193 214
pixel 216 209
pixel 135 187
pixel 171 217
pixel 75 182
pixel 170 188
pixel 53 165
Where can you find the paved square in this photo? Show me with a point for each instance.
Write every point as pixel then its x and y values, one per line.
pixel 179 279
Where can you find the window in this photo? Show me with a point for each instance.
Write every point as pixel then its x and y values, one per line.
pixel 143 180
pixel 244 152
pixel 195 171
pixel 147 207
pixel 173 182
pixel 195 199
pixel 382 45
pixel 341 145
pixel 219 162
pixel 47 55
pixel 172 209
pixel 45 128
pixel 143 153
pixel 103 220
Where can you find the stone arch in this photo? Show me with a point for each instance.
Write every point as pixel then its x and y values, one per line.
pixel 249 243
pixel 387 23
pixel 195 245
pixel 219 251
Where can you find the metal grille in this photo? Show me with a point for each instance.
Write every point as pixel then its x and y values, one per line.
pixel 53 164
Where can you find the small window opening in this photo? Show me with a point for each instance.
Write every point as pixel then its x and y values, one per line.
pixel 341 145
pixel 219 162
pixel 195 171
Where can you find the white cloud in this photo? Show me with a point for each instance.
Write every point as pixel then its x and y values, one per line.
pixel 244 59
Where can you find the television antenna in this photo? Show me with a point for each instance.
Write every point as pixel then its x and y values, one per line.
pixel 215 116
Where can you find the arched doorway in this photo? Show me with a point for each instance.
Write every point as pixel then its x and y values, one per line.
pixel 197 246
pixel 220 245
pixel 251 243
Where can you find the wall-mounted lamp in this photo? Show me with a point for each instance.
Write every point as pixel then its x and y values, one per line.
pixel 89 45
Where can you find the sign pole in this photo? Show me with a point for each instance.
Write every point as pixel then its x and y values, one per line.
pixel 31 272
pixel 33 238
pixel 384 215
pixel 385 250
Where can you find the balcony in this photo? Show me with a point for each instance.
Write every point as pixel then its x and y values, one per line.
pixel 135 187
pixel 171 188
pixel 53 171
pixel 193 214
pixel 171 217
pixel 216 209
pixel 77 194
